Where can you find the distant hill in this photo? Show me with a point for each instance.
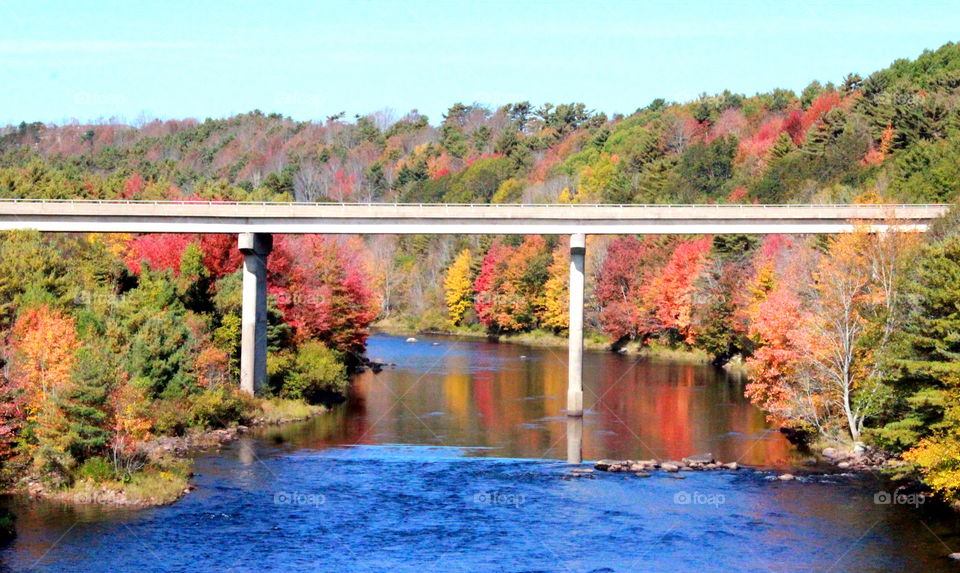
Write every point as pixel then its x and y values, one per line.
pixel 894 133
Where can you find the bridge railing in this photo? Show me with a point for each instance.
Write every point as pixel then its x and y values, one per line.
pixel 472 205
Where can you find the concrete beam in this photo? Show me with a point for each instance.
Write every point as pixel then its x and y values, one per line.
pixel 198 217
pixel 578 249
pixel 253 321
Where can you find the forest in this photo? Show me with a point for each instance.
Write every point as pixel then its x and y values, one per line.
pixel 110 340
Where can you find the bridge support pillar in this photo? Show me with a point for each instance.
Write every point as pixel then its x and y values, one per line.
pixel 578 249
pixel 253 321
pixel 574 439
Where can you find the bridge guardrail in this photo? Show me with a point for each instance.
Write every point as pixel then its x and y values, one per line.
pixel 486 205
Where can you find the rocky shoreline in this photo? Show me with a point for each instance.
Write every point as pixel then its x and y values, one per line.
pixel 177 447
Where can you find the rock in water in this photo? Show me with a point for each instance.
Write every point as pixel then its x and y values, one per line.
pixel 411 339
pixel 732 466
pixel 699 459
pixel 954 556
pixel 785 477
pixel 642 474
pixel 668 467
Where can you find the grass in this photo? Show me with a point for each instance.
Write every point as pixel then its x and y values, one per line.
pixel 159 483
pixel 277 410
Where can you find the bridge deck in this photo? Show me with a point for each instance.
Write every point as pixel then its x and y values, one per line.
pixel 390 218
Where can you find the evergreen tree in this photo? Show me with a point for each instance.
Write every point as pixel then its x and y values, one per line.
pixel 84 403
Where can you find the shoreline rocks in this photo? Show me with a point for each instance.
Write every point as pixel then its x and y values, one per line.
pixel 700 462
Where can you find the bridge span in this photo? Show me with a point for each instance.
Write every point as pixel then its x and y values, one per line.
pixel 255 223
pixel 391 218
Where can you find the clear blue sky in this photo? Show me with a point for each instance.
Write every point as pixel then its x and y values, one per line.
pixel 176 59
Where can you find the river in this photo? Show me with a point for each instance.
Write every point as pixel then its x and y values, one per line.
pixel 454 460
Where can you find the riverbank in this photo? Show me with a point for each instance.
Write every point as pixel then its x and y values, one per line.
pixel 547 339
pixel 164 476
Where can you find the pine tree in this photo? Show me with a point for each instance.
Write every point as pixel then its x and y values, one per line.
pixel 782 146
pixel 84 404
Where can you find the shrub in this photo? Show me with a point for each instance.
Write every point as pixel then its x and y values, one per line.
pixel 219 407
pixel 98 468
pixel 317 374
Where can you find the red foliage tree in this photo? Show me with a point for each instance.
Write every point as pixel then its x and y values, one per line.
pixel 484 287
pixel 133 186
pixel 622 286
pixel 160 251
pixel 322 288
pixel 221 256
pixel 673 291
pixel 510 287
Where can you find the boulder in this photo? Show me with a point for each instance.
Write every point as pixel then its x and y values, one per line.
pixel 785 477
pixel 669 467
pixel 829 452
pixel 605 465
pixel 679 476
pixel 843 465
pixel 732 466
pixel 954 556
pixel 699 459
pixel 642 474
pixel 411 339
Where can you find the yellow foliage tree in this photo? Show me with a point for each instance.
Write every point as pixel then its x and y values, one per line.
pixel 458 286
pixel 555 313
pixel 596 177
pixel 510 191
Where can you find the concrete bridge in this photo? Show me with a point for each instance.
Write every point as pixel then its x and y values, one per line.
pixel 254 223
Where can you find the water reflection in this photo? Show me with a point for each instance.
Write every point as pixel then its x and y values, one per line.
pixel 508 401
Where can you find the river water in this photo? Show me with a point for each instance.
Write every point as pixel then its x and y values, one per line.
pixel 454 460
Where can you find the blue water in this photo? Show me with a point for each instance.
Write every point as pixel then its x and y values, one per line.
pixel 315 497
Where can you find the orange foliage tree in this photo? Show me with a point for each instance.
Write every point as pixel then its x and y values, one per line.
pixel 43 343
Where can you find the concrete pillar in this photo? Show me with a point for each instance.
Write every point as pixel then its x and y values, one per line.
pixel 574 439
pixel 578 248
pixel 253 321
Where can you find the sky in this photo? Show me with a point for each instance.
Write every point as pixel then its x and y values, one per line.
pixel 62 61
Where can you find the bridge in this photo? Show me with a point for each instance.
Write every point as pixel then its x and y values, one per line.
pixel 256 222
